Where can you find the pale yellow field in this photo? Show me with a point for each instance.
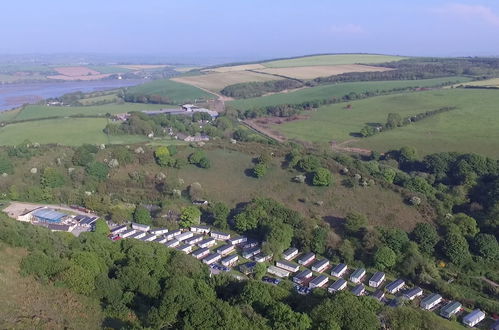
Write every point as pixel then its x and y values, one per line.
pixel 217 81
pixel 237 68
pixel 185 69
pixel 311 72
pixel 140 66
pixel 494 82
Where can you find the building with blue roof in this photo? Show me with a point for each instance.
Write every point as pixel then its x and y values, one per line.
pixel 48 215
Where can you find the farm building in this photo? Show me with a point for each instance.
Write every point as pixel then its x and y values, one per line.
pixel 194 239
pixel 302 276
pixel 279 272
pixel 172 234
pixel 430 301
pixel 290 253
pixel 159 231
pixel 289 266
pixel 226 249
pixel 127 233
pixel 339 285
pixel 357 275
pixel 186 248
pixel 473 318
pixel 48 215
pixel 320 265
pixel 218 235
pixel 201 253
pixel 191 108
pixel 184 236
pixel 359 290
pixel 207 242
pixel 248 253
pixel 376 279
pixel 148 238
pixel 172 243
pixel 160 240
pixel 339 270
pixel 306 258
pixel 212 258
pixel 141 227
pixel 138 235
pixel 200 229
pixel 262 257
pixel 318 282
pixel 238 240
pixel 378 295
pixel 413 293
pixel 395 286
pixel 230 261
pixel 119 229
pixel 450 309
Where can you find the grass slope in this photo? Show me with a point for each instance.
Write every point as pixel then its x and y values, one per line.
pixel 332 60
pixel 473 127
pixel 175 91
pixel 27 304
pixel 70 131
pixel 335 90
pixel 42 111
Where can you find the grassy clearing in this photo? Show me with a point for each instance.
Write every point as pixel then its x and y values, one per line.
pixel 175 91
pixel 332 60
pixel 27 304
pixel 335 90
pixel 227 181
pixel 218 81
pixel 103 98
pixel 9 115
pixel 311 72
pixel 472 127
pixel 70 131
pixel 43 111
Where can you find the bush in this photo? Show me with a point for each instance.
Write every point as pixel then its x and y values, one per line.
pixel 322 177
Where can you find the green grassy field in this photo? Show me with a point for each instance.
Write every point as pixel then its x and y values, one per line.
pixel 70 131
pixel 335 90
pixel 42 111
pixel 27 304
pixel 473 127
pixel 177 92
pixel 332 60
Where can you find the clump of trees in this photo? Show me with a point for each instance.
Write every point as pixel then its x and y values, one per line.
pixel 255 89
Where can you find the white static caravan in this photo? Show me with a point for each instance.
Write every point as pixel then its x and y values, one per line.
pixel 359 290
pixel 357 275
pixel 226 249
pixel 430 301
pixel 139 234
pixel 318 282
pixel 279 272
pixel 141 227
pixel 159 231
pixel 251 252
pixel 230 261
pixel 339 285
pixel 206 243
pixel 172 243
pixel 376 280
pixel 413 293
pixel 302 276
pixel 289 266
pixel 395 286
pixel 148 238
pixel 200 229
pixel 238 240
pixel 127 233
pixel 201 253
pixel 306 259
pixel 184 236
pixel 212 258
pixel 161 240
pixel 320 265
pixel 262 257
pixel 220 236
pixel 474 318
pixel 290 253
pixel 172 234
pixel 119 229
pixel 339 270
pixel 186 248
pixel 194 239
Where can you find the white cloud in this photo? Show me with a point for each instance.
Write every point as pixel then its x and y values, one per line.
pixel 469 12
pixel 347 29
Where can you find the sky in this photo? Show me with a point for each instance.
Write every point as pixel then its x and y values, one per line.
pixel 250 29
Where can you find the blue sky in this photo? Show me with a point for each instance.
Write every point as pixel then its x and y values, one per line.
pixel 247 29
